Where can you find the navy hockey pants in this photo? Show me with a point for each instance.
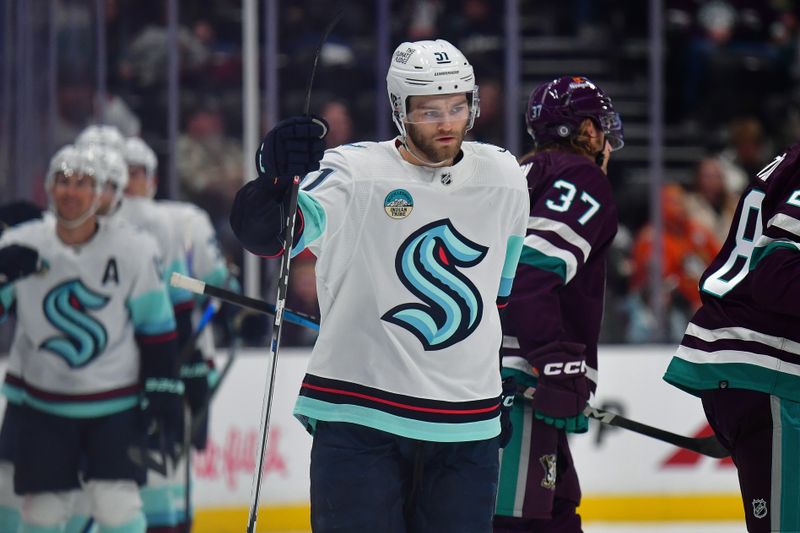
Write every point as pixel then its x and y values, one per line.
pixel 762 432
pixel 363 479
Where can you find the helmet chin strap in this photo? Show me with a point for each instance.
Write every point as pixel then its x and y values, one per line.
pixel 421 159
pixel 72 224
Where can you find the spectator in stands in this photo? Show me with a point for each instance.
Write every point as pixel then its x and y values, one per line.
pixel 688 248
pixel 745 154
pixel 709 200
pixel 340 123
pixel 209 163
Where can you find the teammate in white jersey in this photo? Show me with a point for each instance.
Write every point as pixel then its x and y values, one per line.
pixel 11 214
pixel 416 240
pixel 164 496
pixel 95 332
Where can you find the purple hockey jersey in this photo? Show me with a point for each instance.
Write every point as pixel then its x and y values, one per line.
pixel 560 282
pixel 746 333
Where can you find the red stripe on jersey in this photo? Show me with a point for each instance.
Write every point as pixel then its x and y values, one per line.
pixel 157 339
pixel 61 397
pixel 183 306
pixel 401 405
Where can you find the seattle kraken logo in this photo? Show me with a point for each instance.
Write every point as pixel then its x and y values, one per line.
pixel 66 308
pixel 427 263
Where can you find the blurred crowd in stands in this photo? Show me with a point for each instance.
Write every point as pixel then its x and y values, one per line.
pixel 732 72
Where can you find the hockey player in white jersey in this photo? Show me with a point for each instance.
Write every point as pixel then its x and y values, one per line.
pixel 92 363
pixel 137 208
pixel 164 496
pixel 417 240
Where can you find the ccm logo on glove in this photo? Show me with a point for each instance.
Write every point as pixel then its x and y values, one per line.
pixel 570 367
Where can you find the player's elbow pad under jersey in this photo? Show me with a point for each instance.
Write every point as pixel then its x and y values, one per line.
pixel 257 217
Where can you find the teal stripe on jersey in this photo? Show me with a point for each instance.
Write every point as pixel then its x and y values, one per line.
pixel 136 525
pixel 514 460
pixel 537 259
pixel 9 519
pixel 6 299
pixel 760 252
pixel 217 276
pixel 176 295
pixel 696 377
pixel 13 394
pixel 77 524
pixel 414 429
pixel 151 313
pixel 789 432
pixel 520 377
pixel 513 252
pixel 89 409
pixel 314 220
pixel 163 504
pixel 28 528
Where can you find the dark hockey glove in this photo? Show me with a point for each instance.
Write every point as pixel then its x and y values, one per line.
pixel 195 380
pixel 17 261
pixel 294 147
pixel 506 403
pixel 563 389
pixel 17 212
pixel 163 412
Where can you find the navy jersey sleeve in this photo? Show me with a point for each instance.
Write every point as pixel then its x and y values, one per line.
pixel 573 219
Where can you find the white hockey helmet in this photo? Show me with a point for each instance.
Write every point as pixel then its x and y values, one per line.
pixel 103 135
pixel 116 168
pixel 137 152
pixel 73 160
pixel 66 160
pixel 429 68
pixel 111 166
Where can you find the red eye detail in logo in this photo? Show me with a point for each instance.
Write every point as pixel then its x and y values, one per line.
pixel 73 301
pixel 443 255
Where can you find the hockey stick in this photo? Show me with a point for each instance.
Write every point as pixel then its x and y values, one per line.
pixel 141 456
pixel 199 287
pixel 283 282
pixel 709 446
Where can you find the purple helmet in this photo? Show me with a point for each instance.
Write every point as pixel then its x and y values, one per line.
pixel 557 108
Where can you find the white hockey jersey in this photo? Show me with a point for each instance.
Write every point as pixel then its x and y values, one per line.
pixel 411 262
pixel 204 260
pixel 74 352
pixel 147 215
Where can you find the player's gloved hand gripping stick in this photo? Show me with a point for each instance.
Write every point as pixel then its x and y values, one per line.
pixel 293 148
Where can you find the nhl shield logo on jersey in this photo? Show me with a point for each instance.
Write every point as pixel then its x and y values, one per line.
pixel 549 466
pixel 398 204
pixel 759 508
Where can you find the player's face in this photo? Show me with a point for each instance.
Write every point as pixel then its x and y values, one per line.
pixel 436 125
pixel 73 194
pixel 596 137
pixel 138 182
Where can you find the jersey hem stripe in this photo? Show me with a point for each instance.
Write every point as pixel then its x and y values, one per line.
pixel 308 409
